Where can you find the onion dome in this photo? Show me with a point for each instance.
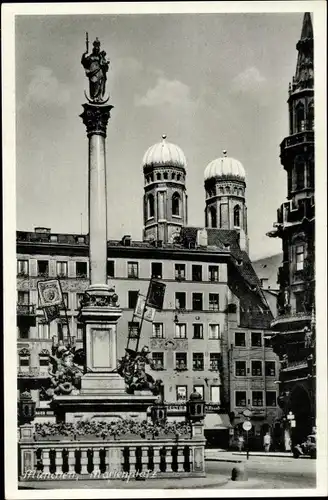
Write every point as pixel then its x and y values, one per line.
pixel 225 167
pixel 164 154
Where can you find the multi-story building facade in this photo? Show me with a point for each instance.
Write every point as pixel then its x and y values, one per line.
pixel 294 328
pixel 267 272
pixel 213 296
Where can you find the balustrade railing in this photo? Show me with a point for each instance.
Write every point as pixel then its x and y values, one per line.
pixel 25 309
pixel 103 459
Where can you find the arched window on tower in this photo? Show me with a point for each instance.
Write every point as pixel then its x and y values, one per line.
pixel 151 204
pixel 176 204
pixel 311 115
pixel 213 217
pixel 236 216
pixel 300 118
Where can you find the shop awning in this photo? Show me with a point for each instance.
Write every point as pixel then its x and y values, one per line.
pixel 215 421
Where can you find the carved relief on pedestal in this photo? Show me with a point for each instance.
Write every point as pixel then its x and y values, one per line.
pixel 99 300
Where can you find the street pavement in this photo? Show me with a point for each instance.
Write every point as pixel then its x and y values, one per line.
pixel 264 472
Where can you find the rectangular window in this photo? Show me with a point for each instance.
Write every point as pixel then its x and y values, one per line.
pixel 270 368
pixel 240 368
pixel 180 300
pixel 156 270
pixel 299 258
pixel 196 272
pixel 180 272
pixel 65 300
pixel 110 269
pixel 215 393
pixel 213 332
pixel 133 270
pixel 24 361
pixel 299 302
pixel 213 301
pixel 181 391
pixel 199 389
pixel 133 327
pixel 181 360
pixel 256 368
pixel 240 339
pixel 22 267
pixel 267 342
pixel 158 330
pixel 215 358
pixel 81 269
pixel 213 273
pixel 43 361
pixel 198 361
pixel 43 267
pixel 23 298
pixel 132 298
pixel 256 339
pixel 23 332
pixel 198 331
pixel 181 331
pixel 43 331
pixel 79 331
pixel 79 297
pixel 257 398
pixel 61 268
pixel 197 301
pixel 271 398
pixel 240 397
pixel 158 360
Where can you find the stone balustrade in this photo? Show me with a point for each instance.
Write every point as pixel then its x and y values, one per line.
pixel 114 459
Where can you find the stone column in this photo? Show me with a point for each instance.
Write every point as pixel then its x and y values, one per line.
pixel 95 118
pixel 100 311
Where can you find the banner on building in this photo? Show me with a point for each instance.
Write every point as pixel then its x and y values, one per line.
pixel 51 313
pixel 156 292
pixel 143 311
pixel 50 298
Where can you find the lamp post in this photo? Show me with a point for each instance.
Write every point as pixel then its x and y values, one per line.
pixel 26 414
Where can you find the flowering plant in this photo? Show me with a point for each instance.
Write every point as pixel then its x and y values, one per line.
pixel 116 428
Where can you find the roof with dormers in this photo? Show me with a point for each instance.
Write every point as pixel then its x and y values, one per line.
pixel 225 167
pixel 164 153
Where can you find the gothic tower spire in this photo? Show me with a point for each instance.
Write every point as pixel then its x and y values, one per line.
pixel 304 68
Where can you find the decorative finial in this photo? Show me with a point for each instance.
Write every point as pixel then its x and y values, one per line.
pixel 164 136
pixel 224 152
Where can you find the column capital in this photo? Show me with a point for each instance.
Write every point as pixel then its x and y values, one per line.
pixel 95 118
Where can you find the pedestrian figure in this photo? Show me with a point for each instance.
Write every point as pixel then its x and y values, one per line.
pixel 240 443
pixel 267 442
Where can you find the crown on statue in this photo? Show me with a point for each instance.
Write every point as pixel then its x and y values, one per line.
pixel 96 43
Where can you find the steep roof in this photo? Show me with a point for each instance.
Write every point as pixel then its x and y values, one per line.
pixel 254 309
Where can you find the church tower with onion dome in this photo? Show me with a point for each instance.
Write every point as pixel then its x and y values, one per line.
pixel 165 197
pixel 225 205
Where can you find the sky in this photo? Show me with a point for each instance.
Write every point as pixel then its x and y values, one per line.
pixel 208 81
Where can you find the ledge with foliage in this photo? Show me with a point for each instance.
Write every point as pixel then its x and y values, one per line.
pixel 120 429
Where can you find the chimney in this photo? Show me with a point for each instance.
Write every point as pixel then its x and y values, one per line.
pixel 202 239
